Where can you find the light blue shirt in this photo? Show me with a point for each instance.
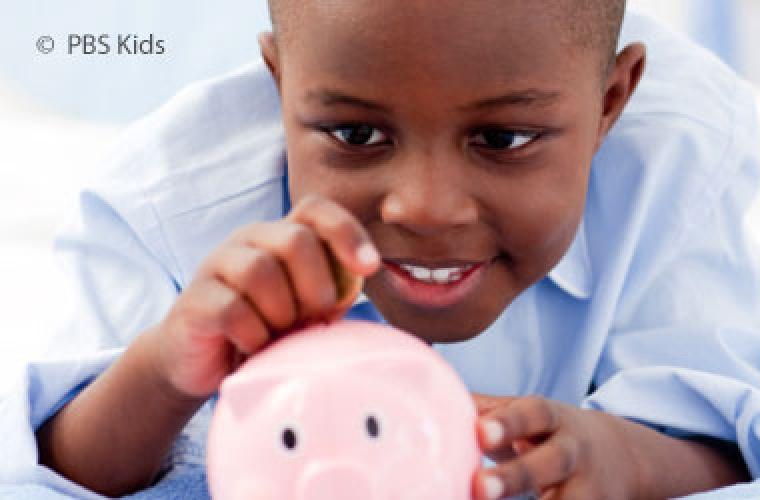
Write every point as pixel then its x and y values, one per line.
pixel 656 304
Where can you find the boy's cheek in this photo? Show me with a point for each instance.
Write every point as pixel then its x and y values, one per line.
pixel 535 236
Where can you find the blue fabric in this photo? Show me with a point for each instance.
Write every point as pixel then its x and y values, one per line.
pixel 189 483
pixel 714 26
pixel 31 492
pixel 737 492
pixel 181 483
pixel 655 304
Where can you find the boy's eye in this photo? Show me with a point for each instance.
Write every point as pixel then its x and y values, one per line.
pixel 358 135
pixel 495 138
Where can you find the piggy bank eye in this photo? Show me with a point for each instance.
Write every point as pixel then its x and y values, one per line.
pixel 372 424
pixel 289 438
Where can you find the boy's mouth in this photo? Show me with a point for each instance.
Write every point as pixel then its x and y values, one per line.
pixel 434 285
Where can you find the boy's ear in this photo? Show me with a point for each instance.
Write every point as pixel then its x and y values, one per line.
pixel 620 86
pixel 268 46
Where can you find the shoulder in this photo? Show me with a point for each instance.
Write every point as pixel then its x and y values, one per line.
pixel 684 152
pixel 182 178
pixel 685 134
pixel 682 79
pixel 211 141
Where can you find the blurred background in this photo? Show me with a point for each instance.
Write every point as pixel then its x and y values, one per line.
pixel 59 113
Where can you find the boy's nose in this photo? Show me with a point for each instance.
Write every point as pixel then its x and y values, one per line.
pixel 425 200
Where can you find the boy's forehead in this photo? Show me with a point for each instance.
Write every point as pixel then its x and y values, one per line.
pixel 446 18
pixel 430 25
pixel 465 44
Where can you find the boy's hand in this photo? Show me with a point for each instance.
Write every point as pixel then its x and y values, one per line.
pixel 265 278
pixel 554 450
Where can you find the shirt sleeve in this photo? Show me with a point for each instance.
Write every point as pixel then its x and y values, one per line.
pixel 747 491
pixel 121 288
pixel 683 353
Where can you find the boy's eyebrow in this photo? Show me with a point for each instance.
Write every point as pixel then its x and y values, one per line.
pixel 526 97
pixel 328 97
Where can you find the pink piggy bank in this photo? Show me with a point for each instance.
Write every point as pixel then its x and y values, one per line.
pixel 345 411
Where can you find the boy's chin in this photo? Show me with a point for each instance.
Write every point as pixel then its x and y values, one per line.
pixel 439 327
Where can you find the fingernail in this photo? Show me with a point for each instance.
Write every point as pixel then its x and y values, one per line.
pixel 367 254
pixel 494 487
pixel 493 431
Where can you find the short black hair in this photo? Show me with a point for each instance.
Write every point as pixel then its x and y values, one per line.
pixel 595 24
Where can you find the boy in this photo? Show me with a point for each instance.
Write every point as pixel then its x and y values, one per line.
pixel 446 155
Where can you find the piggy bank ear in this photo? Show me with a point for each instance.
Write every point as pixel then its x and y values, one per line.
pixel 241 392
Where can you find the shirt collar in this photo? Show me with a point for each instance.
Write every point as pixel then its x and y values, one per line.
pixel 572 274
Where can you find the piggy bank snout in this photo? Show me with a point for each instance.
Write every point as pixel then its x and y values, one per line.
pixel 335 481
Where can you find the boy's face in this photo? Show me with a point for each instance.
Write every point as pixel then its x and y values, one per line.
pixel 457 132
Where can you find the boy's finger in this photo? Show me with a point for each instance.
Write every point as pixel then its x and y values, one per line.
pixel 233 316
pixel 527 417
pixel 258 275
pixel 485 403
pixel 544 467
pixel 304 262
pixel 342 232
pixel 522 446
pixel 248 334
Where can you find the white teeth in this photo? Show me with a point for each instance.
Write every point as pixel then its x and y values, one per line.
pixel 443 275
pixel 439 276
pixel 420 273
